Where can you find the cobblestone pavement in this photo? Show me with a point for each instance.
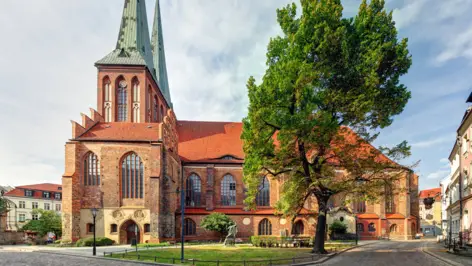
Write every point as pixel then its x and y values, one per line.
pixel 11 258
pixel 391 253
pixel 438 250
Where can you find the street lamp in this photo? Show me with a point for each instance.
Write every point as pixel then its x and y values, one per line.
pixel 94 215
pixel 357 233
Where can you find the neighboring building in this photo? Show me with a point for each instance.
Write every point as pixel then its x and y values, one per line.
pixel 459 191
pixel 129 158
pixel 430 215
pixel 444 184
pixel 27 198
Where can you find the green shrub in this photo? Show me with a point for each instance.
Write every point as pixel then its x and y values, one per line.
pixel 338 227
pixel 149 245
pixel 100 241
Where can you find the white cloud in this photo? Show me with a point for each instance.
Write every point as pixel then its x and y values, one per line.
pixel 431 142
pixel 409 13
pixel 440 174
pixel 444 161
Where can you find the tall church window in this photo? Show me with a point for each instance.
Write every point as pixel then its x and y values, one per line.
pixel 149 104
pixel 122 102
pixel 265 227
pixel 358 206
pixel 162 113
pixel 132 176
pixel 263 196
pixel 136 105
pixel 190 227
pixel 298 228
pixel 228 191
pixel 389 201
pixel 107 99
pixel 155 110
pixel 193 190
pixel 91 168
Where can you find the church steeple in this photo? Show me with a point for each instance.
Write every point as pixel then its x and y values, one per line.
pixel 159 59
pixel 133 46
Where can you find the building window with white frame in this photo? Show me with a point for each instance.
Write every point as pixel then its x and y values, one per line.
pixel 21 217
pixel 34 216
pixel 22 204
pixel 58 207
pixel 47 206
pixel 57 196
pixel 34 205
pixel 46 195
pixel 29 193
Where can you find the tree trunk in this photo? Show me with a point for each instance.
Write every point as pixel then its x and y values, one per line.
pixel 318 246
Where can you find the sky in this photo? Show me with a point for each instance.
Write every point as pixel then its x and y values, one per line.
pixel 48 49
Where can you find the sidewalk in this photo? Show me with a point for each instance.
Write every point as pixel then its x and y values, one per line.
pixel 440 252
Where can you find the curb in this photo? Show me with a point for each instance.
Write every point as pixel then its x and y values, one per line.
pixel 448 261
pixel 106 258
pixel 322 260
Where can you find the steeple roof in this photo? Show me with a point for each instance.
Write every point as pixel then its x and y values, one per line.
pixel 133 46
pixel 159 59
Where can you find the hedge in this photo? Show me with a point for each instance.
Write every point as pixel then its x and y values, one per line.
pixel 100 241
pixel 275 241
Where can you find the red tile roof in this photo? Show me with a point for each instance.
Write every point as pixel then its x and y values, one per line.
pixel 119 131
pixel 37 188
pixel 367 216
pixel 207 141
pixel 433 192
pixel 268 211
pixel 395 216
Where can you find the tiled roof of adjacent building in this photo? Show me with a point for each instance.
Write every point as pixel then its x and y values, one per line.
pixel 122 131
pixel 19 191
pixel 210 141
pixel 433 192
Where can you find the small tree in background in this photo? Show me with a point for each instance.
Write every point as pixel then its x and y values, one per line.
pixel 49 221
pixel 217 222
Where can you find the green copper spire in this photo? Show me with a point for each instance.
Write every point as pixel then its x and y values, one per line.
pixel 159 55
pixel 133 46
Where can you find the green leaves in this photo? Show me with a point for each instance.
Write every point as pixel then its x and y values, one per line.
pixel 49 221
pixel 217 222
pixel 327 77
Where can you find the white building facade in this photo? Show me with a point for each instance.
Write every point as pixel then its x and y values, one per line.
pixel 27 198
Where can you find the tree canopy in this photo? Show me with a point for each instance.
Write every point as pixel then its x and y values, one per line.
pixel 330 86
pixel 217 222
pixel 49 221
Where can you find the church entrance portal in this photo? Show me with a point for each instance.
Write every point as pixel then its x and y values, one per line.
pixel 129 231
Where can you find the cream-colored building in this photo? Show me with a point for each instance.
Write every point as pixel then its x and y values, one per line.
pixel 430 216
pixel 27 198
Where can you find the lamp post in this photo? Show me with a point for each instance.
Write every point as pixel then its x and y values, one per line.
pixel 94 215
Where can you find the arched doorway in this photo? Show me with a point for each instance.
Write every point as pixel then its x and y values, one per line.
pixel 129 230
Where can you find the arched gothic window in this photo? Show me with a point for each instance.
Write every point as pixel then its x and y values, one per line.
pixel 107 99
pixel 359 206
pixel 298 228
pixel 265 227
pixel 149 104
pixel 393 228
pixel 228 191
pixel 190 228
pixel 193 190
pixel 263 196
pixel 132 177
pixel 155 110
pixel 360 227
pixel 162 113
pixel 91 170
pixel 371 227
pixel 122 101
pixel 389 200
pixel 136 105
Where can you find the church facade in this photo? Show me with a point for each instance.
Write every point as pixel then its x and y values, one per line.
pixel 131 156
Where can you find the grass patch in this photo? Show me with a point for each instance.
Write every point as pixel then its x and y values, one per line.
pixel 214 253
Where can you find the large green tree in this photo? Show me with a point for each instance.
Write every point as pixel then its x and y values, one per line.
pixel 217 222
pixel 49 221
pixel 331 84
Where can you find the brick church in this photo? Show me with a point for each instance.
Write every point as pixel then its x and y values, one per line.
pixel 131 155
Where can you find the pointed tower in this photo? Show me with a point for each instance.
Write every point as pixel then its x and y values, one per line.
pixel 133 46
pixel 159 59
pixel 130 89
